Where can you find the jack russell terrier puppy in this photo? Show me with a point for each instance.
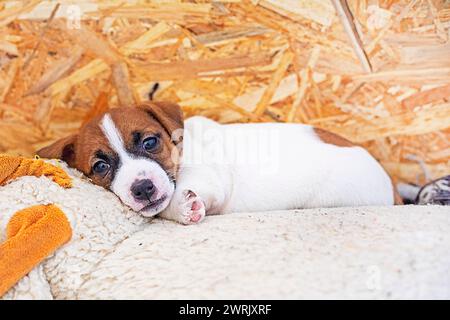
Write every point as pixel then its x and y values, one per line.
pixel 156 163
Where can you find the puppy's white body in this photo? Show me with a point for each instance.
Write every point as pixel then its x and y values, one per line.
pixel 224 168
pixel 270 166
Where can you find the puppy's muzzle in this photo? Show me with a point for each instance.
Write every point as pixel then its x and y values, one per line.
pixel 143 190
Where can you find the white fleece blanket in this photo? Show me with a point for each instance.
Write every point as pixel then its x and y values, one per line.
pixel 371 252
pixel 401 252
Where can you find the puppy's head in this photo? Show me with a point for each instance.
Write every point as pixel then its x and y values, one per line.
pixel 129 151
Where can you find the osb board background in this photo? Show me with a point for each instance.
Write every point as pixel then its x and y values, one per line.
pixel 61 62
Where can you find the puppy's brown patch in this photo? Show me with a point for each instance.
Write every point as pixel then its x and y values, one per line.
pixel 332 138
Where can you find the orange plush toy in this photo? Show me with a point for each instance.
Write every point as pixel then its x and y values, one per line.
pixel 34 233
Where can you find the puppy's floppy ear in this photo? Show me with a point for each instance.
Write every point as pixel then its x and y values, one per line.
pixel 63 149
pixel 168 114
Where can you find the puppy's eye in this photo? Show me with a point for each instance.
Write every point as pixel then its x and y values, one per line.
pixel 101 167
pixel 150 144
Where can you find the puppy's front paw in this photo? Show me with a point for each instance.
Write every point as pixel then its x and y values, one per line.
pixel 192 208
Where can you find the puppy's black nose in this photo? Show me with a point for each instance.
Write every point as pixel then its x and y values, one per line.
pixel 143 189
